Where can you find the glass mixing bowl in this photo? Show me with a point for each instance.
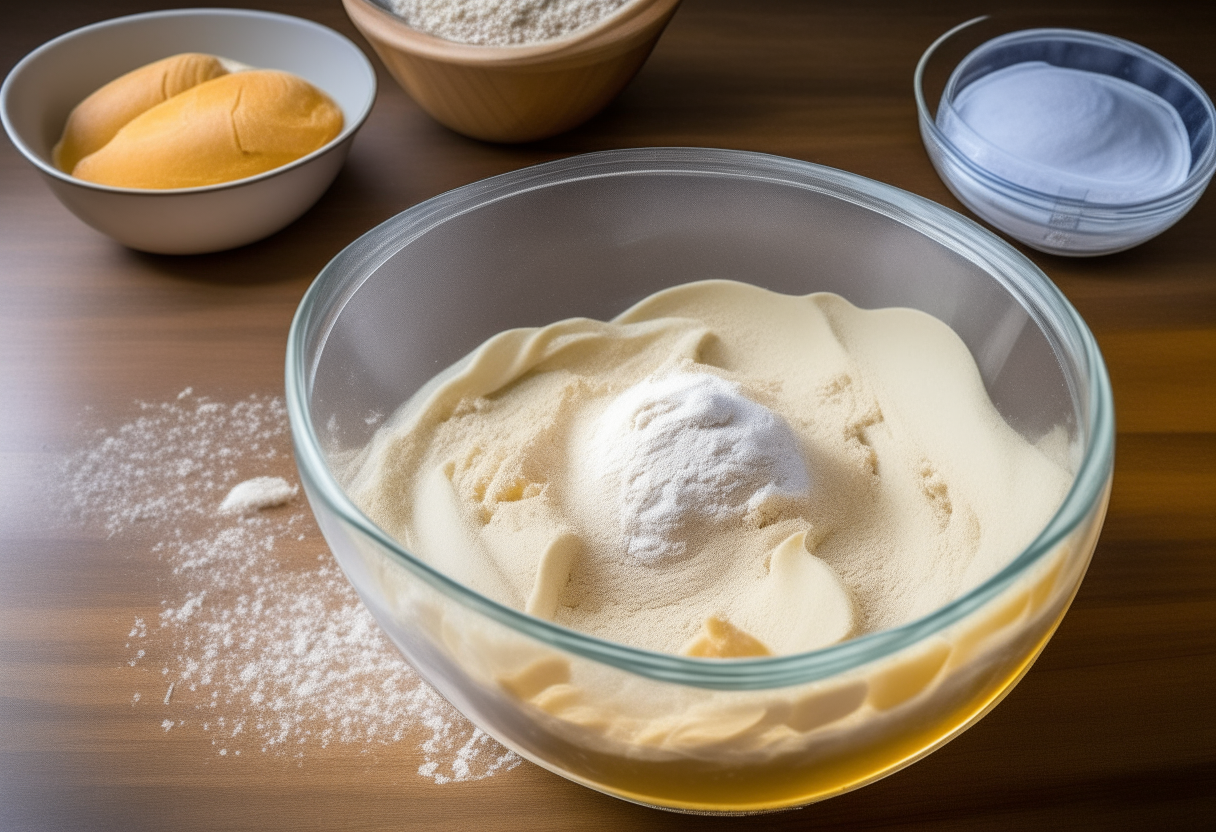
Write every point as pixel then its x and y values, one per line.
pixel 589 236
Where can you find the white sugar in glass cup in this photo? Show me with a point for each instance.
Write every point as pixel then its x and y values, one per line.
pixel 1073 142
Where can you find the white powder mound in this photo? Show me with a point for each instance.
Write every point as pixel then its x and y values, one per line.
pixel 256 494
pixel 502 22
pixel 1072 132
pixel 683 452
pixel 259 641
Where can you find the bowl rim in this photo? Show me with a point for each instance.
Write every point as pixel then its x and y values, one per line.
pixel 1029 286
pixel 350 126
pixel 632 14
pixel 1181 196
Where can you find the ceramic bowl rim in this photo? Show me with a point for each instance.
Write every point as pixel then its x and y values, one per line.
pixel 350 126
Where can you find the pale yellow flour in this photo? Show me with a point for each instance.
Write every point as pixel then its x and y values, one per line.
pixel 847 472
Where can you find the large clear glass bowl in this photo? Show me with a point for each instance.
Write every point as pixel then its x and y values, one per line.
pixel 589 236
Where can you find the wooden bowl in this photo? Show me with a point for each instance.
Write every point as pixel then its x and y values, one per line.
pixel 515 93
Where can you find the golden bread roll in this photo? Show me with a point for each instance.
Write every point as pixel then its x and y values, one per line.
pixel 228 128
pixel 99 117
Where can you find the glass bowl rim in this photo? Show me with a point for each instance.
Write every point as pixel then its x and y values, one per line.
pixel 1180 197
pixel 345 273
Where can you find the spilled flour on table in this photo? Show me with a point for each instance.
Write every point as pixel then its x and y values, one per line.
pixel 260 641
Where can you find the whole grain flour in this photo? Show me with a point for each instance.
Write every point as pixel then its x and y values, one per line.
pixel 259 642
pixel 502 22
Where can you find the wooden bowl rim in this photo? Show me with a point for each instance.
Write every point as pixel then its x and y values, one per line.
pixel 630 19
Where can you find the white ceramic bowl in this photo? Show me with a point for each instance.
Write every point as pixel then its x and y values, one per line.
pixel 44 87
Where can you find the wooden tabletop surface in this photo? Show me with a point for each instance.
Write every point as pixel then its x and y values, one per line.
pixel 1114 727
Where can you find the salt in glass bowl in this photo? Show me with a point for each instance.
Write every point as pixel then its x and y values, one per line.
pixel 589 236
pixel 1059 220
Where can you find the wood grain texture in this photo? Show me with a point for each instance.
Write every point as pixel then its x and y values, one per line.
pixel 1112 729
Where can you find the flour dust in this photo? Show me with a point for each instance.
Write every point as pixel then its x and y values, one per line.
pixel 259 641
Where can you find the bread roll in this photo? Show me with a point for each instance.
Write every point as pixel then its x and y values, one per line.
pixel 228 128
pixel 100 116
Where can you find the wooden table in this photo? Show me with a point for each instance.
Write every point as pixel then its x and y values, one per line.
pixel 1114 728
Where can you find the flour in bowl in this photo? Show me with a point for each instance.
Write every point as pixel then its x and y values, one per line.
pixel 791 471
pixel 502 22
